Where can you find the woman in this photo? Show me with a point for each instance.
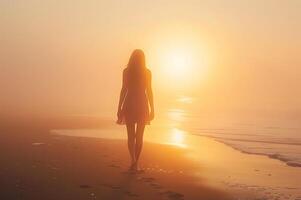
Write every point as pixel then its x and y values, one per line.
pixel 136 97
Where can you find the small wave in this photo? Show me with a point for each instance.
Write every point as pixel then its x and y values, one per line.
pixel 250 140
pixel 277 156
pixel 293 164
pixel 290 160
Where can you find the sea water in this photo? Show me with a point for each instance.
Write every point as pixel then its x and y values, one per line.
pixel 276 136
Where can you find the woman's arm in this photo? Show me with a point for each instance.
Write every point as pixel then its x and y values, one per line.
pixel 149 92
pixel 123 93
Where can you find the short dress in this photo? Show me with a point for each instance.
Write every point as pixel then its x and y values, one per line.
pixel 135 108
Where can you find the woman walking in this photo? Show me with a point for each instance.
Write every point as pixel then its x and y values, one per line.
pixel 136 97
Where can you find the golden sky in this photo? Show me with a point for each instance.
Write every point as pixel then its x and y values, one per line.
pixel 67 56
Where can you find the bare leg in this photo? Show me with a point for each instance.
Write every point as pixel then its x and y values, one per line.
pixel 131 142
pixel 139 141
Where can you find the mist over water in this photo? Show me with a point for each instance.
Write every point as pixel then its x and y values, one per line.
pixel 276 135
pixel 273 134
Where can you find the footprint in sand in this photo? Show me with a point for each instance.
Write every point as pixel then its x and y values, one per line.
pixel 156 186
pixel 105 185
pixel 114 166
pixel 147 179
pixel 291 188
pixel 173 195
pixel 130 194
pixel 84 186
pixel 37 143
pixel 114 187
pixel 151 182
pixel 93 195
pixel 132 172
pixel 54 168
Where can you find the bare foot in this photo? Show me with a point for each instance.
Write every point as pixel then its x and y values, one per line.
pixel 137 169
pixel 132 166
pixel 135 166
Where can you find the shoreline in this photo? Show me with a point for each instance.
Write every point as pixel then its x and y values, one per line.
pixel 271 156
pixel 237 179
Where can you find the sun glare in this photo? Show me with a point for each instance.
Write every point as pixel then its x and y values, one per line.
pixel 178 63
pixel 181 65
pixel 177 137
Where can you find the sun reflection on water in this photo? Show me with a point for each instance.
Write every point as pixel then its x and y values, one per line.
pixel 185 99
pixel 176 115
pixel 177 137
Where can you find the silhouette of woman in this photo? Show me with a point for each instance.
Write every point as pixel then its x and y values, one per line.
pixel 136 97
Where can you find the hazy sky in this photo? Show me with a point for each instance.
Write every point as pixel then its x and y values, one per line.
pixel 66 57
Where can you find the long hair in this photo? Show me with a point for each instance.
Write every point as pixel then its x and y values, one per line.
pixel 137 60
pixel 136 68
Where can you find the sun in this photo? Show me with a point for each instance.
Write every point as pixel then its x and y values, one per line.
pixel 181 66
pixel 180 57
pixel 179 63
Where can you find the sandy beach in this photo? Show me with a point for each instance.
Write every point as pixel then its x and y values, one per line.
pixel 37 164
